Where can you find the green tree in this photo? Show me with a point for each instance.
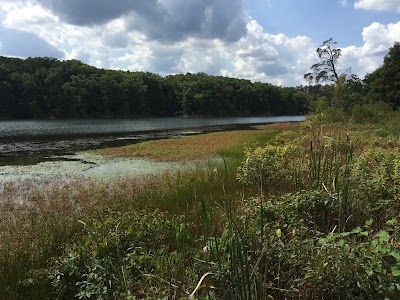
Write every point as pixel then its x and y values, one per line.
pixel 46 87
pixel 134 91
pixel 384 83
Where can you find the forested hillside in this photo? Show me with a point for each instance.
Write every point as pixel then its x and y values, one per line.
pixel 47 87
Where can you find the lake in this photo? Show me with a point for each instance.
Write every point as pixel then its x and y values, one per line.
pixel 28 142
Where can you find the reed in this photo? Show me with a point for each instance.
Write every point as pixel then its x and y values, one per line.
pixel 39 218
pixel 203 234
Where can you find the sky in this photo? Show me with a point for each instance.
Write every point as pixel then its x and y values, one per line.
pixel 261 40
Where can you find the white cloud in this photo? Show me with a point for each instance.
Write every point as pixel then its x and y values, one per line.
pixel 256 56
pixel 379 5
pixel 93 45
pixel 117 44
pixel 19 41
pixel 33 18
pixel 378 38
pixel 273 58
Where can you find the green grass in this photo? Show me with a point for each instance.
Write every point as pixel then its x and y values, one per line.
pixel 310 213
pixel 41 226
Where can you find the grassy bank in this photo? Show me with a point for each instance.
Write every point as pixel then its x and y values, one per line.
pixel 198 147
pixel 39 221
pixel 310 212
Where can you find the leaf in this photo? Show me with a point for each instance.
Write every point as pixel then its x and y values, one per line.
pixel 383 236
pixel 395 271
pixel 391 222
pixel 396 255
pixel 91 233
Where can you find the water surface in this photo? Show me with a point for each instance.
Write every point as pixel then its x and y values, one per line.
pixel 29 142
pixel 59 129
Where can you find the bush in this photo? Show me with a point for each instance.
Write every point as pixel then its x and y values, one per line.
pixel 376 175
pixel 354 265
pixel 270 168
pixel 121 254
pixel 375 181
pixel 374 112
pixel 391 125
pixel 328 115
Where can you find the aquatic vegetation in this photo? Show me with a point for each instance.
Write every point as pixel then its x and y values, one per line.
pixel 313 216
pixel 199 147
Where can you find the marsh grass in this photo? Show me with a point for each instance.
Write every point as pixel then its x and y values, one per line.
pixel 199 147
pixel 203 234
pixel 39 218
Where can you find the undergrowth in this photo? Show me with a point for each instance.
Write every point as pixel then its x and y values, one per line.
pixel 309 214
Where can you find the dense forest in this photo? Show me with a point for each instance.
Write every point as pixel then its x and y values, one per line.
pixel 47 87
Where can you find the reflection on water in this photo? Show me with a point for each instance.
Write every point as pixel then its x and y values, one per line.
pixel 27 142
pixel 42 129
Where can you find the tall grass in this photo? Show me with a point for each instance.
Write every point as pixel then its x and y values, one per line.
pixel 297 225
pixel 330 167
pixel 39 219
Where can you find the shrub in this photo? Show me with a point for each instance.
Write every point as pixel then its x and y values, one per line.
pixel 376 174
pixel 270 168
pixel 374 112
pixel 391 125
pixel 121 254
pixel 330 114
pixel 354 265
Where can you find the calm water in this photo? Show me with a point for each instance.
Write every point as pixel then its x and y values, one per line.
pixel 24 142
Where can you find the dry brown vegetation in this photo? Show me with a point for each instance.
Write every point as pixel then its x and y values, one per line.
pixel 191 148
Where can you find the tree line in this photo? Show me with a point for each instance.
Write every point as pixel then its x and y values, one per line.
pixel 346 92
pixel 47 87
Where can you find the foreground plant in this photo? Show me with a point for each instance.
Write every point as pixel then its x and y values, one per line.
pixel 314 216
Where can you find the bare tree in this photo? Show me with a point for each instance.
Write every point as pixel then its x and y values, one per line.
pixel 327 69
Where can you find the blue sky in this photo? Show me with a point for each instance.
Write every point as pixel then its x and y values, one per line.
pixel 319 19
pixel 261 40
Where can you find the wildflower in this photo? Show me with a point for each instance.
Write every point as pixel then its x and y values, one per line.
pixel 206 250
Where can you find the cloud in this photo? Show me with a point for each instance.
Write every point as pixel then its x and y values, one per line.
pixel 193 55
pixel 92 45
pixel 205 36
pixel 19 42
pixel 208 56
pixel 116 44
pixel 24 44
pixel 163 20
pixel 378 38
pixel 33 18
pixel 273 58
pixel 175 36
pixel 379 5
pixel 115 34
pixel 90 12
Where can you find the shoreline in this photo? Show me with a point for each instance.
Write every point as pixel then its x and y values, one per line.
pixel 93 164
pixel 22 150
